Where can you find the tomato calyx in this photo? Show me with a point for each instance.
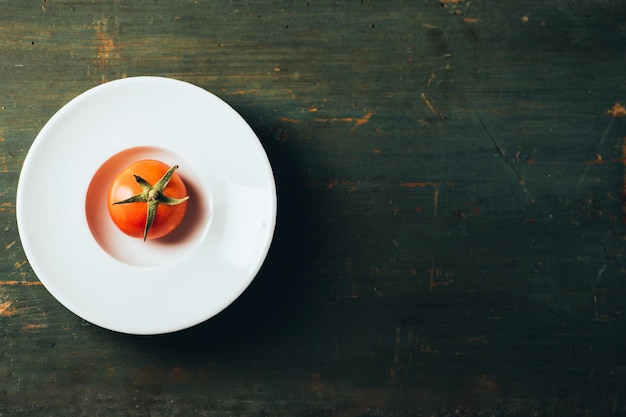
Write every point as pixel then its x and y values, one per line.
pixel 153 196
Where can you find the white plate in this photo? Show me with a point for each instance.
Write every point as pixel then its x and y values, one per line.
pixel 125 284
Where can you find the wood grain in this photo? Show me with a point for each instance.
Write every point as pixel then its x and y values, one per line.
pixel 451 226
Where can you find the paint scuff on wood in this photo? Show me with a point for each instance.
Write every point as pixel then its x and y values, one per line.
pixel 23 283
pixel 288 120
pixel 5 310
pixel 107 55
pixel 32 327
pixel 618 110
pixel 8 206
pixel 357 121
pixel 436 277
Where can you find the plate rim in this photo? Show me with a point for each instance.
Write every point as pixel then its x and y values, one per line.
pixel 31 255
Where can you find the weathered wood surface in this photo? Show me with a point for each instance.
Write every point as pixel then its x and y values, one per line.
pixel 451 225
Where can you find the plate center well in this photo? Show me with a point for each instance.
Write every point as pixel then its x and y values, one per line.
pixel 136 252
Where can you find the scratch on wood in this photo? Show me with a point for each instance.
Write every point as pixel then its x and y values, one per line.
pixel 431 281
pixel 499 147
pixel 396 356
pixel 431 79
pixel 10 245
pixel 288 120
pixel 363 120
pixel 335 182
pixel 353 292
pixel 429 104
pixel 598 159
pixel 435 201
pixel 22 283
pixel 615 401
pixel 501 152
pixel 624 180
pixel 423 184
pixel 357 121
pixel 592 371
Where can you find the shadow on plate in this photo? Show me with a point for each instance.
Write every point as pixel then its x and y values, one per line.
pixel 277 297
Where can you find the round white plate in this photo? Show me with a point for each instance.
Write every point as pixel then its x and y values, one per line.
pixel 125 284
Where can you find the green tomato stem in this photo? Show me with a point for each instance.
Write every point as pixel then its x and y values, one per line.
pixel 153 196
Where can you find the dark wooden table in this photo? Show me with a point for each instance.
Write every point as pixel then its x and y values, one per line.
pixel 452 217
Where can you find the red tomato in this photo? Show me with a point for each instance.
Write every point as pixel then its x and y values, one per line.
pixel 133 184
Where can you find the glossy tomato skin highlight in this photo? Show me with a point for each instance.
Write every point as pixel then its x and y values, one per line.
pixel 130 218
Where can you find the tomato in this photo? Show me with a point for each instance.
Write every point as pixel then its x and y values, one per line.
pixel 147 199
